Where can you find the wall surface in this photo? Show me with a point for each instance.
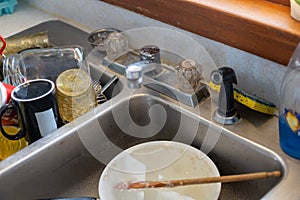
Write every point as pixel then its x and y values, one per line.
pixel 255 75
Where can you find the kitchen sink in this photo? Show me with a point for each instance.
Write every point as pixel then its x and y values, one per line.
pixel 69 162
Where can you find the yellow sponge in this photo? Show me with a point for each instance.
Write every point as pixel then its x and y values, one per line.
pixel 248 100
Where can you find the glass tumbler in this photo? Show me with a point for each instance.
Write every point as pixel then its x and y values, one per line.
pixel 75 94
pixel 116 45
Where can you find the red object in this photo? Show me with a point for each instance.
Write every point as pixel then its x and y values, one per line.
pixel 5 92
pixel 10 116
pixel 9 88
pixel 3 45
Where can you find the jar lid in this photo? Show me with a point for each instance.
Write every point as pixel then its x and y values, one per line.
pixel 73 82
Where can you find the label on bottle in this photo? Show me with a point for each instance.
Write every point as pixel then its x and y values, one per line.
pixel 289 132
pixel 10 118
pixel 46 122
pixel 292 121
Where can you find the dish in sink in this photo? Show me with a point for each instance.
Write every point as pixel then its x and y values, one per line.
pixel 159 161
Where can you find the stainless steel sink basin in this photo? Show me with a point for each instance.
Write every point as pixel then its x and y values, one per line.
pixel 69 162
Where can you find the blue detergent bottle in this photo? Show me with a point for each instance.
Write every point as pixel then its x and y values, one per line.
pixel 289 114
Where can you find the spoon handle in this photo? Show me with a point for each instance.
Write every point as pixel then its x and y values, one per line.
pixel 222 179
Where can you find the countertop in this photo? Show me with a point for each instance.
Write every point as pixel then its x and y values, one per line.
pixel 25 17
pixel 22 18
pixel 11 24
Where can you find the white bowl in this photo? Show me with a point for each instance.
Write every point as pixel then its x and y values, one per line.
pixel 158 161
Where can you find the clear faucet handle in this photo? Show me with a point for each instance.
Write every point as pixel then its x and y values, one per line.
pixel 134 75
pixel 189 75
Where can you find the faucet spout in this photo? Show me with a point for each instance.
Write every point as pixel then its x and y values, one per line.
pixel 135 71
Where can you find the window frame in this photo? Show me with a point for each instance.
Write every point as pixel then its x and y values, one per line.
pixel 260 27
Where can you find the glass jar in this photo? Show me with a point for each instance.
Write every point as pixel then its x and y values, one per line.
pixel 289 115
pixel 75 94
pixel 116 45
pixel 14 70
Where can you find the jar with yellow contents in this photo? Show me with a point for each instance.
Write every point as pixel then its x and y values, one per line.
pixel 9 147
pixel 75 94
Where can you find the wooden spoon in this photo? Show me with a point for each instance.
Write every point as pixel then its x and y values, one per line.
pixel 175 183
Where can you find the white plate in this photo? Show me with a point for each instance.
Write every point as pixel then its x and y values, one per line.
pixel 155 161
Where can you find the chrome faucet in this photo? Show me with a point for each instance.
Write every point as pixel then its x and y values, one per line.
pixel 148 70
pixel 226 112
pixel 134 74
pixel 150 64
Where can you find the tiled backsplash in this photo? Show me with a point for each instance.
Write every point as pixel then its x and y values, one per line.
pixel 256 75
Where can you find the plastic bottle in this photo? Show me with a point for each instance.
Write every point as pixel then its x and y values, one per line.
pixel 289 115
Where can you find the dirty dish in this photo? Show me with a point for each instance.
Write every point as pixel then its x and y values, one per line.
pixel 158 161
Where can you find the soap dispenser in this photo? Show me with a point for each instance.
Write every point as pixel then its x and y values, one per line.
pixel 289 114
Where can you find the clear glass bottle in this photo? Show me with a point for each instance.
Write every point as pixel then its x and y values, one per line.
pixel 289 116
